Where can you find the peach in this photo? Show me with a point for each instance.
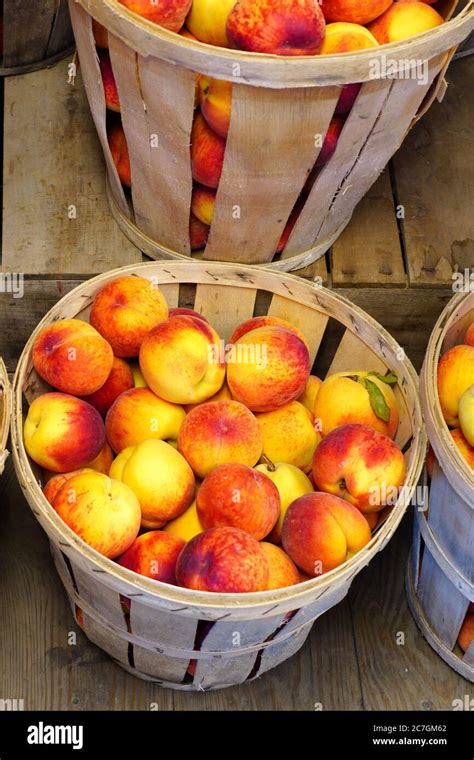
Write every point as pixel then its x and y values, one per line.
pixel 361 465
pixel 186 33
pixel 72 357
pixel 403 20
pixel 138 415
pixel 103 462
pixel 216 104
pixel 343 37
pixel 469 336
pixel 466 414
pixel 467 451
pixel 455 376
pixel 281 27
pixel 138 379
pixel 347 98
pixel 207 153
pixel 160 478
pixel 207 20
pixel 56 481
pixel 464 447
pixel 289 435
pixel 356 397
pixel 169 14
pixel 79 615
pixel 102 511
pixel 269 368
pixel 466 634
pixel 198 233
pixel 62 433
pixel 154 555
pixel 225 560
pixel 220 432
pixel 120 155
pixel 125 310
pixel 372 519
pixel 182 311
pixel 290 225
pixel 430 461
pixel 310 393
pixel 291 483
pixel 187 525
pixel 112 100
pixel 282 570
pixel 354 11
pixel 119 380
pixel 223 394
pixel 203 203
pixel 181 360
pixel 236 496
pixel 330 141
pixel 101 35
pixel 265 321
pixel 321 531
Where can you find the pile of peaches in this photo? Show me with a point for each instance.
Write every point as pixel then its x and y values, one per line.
pixel 222 467
pixel 281 27
pixel 456 396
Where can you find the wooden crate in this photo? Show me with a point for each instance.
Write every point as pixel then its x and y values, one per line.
pixel 440 579
pixel 279 103
pixel 158 640
pixel 5 413
pixel 36 33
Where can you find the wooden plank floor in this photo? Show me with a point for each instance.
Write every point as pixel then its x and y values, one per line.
pixel 398 269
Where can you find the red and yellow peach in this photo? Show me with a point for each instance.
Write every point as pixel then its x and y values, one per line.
pixel 220 432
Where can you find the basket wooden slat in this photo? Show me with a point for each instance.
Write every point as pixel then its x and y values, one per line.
pixel 362 118
pixel 85 42
pixel 402 102
pixel 311 324
pixel 158 142
pixel 35 35
pixel 225 305
pixel 263 161
pixel 439 596
pixel 280 114
pixel 168 627
pixel 440 575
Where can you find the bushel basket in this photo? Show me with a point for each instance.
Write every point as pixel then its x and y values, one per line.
pixel 185 639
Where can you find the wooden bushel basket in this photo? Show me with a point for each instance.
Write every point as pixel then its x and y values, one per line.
pixel 36 33
pixel 440 578
pixel 5 414
pixel 281 107
pixel 229 637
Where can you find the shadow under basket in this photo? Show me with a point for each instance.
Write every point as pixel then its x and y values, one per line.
pixel 281 110
pixel 185 639
pixel 35 35
pixel 440 580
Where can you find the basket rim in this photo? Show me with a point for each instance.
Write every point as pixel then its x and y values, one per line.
pixel 147 38
pixel 447 453
pixel 243 276
pixel 6 410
